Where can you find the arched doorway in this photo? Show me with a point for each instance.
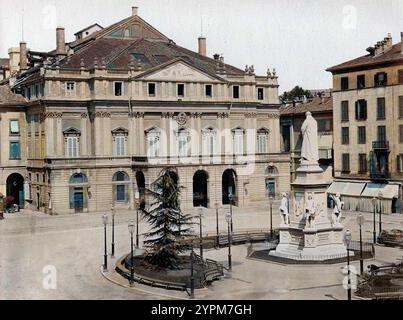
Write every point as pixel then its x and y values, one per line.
pixel 200 189
pixel 121 183
pixel 271 180
pixel 78 192
pixel 15 189
pixel 141 187
pixel 229 186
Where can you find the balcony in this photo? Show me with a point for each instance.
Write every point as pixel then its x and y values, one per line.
pixel 380 145
pixel 379 175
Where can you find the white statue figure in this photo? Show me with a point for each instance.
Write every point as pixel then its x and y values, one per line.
pixel 309 130
pixel 338 206
pixel 310 211
pixel 285 217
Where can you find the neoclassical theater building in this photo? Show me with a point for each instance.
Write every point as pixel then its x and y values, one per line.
pixel 107 111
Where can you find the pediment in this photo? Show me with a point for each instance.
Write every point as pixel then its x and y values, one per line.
pixel 179 71
pixel 72 131
pixel 120 130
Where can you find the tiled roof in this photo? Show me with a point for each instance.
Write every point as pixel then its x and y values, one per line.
pixel 4 62
pixel 392 55
pixel 314 106
pixel 7 97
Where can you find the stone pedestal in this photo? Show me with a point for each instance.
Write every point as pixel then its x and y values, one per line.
pixel 317 239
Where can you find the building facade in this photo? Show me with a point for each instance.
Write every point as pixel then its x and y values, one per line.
pixel 368 115
pixel 106 112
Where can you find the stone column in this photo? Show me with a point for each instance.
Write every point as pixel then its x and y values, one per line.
pixel 98 136
pixel 107 143
pixel 59 135
pixel 50 133
pixel 84 135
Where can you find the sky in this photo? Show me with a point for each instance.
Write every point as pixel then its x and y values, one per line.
pixel 300 38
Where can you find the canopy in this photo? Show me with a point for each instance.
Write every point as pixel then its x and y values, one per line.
pixel 389 191
pixel 346 188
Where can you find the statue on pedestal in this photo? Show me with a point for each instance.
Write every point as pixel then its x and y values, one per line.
pixel 310 212
pixel 309 130
pixel 285 217
pixel 338 206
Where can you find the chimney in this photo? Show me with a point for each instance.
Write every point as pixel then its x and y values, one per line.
pixel 23 56
pixel 14 59
pixel 401 42
pixel 135 11
pixel 60 42
pixel 202 46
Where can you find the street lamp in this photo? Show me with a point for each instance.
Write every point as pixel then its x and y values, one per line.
pixel 137 196
pixel 380 196
pixel 228 219
pixel 105 222
pixel 347 238
pixel 113 231
pixel 216 218
pixel 201 230
pixel 192 278
pixel 131 231
pixel 271 216
pixel 374 232
pixel 231 198
pixel 360 222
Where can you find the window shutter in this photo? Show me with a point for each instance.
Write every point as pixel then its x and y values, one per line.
pixel 365 109
pixel 398 165
pixel 356 110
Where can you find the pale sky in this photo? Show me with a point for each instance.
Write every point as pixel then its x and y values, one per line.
pixel 300 38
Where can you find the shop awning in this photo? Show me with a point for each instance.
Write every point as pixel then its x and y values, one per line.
pixel 353 189
pixel 389 191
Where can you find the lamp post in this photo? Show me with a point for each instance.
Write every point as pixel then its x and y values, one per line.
pixel 113 231
pixel 380 196
pixel 228 219
pixel 105 222
pixel 192 278
pixel 137 201
pixel 231 198
pixel 347 238
pixel 374 232
pixel 271 216
pixel 360 222
pixel 216 219
pixel 201 230
pixel 131 231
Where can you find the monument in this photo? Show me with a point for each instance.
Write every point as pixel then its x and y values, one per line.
pixel 307 232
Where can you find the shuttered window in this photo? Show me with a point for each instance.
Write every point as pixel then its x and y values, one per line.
pixel 361 110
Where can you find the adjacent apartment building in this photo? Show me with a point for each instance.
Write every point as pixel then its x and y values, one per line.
pixel 368 128
pixel 107 111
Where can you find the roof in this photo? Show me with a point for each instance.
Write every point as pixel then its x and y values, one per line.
pixel 89 27
pixel 393 55
pixel 7 97
pixel 314 106
pixel 4 62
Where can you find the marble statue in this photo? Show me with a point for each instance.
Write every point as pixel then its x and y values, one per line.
pixel 309 130
pixel 338 206
pixel 310 211
pixel 285 217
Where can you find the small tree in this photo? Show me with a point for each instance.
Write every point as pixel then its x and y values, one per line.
pixel 169 224
pixel 295 93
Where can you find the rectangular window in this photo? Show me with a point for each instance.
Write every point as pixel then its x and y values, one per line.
pixel 182 145
pixel 345 135
pixel 118 89
pixel 362 158
pixel 120 145
pixel 401 107
pixel 72 147
pixel 344 83
pixel 15 150
pixel 14 127
pixel 401 133
pixel 381 133
pixel 260 93
pixel 238 142
pixel 362 135
pixel 361 110
pixel 361 81
pixel 380 79
pixel 208 90
pixel 324 125
pixel 235 92
pixel 181 90
pixel 344 111
pixel 345 162
pixel 121 193
pixel 151 90
pixel 399 163
pixel 70 88
pixel 380 108
pixel 262 143
pixel 400 76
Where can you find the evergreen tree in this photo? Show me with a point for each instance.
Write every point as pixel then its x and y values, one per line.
pixel 295 93
pixel 169 224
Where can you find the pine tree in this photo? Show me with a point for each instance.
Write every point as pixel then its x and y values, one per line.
pixel 169 224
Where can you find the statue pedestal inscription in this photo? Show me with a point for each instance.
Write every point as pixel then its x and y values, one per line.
pixel 310 234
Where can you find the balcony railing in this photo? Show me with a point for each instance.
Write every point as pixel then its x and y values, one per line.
pixel 380 145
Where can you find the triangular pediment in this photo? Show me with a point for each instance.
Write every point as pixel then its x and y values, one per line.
pixel 177 71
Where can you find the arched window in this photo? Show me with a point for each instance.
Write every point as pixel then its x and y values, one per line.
pixel 121 183
pixel 78 192
pixel 271 180
pixel 209 141
pixel 262 140
pixel 153 137
pixel 78 178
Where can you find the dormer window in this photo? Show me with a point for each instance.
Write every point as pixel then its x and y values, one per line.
pixel 380 79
